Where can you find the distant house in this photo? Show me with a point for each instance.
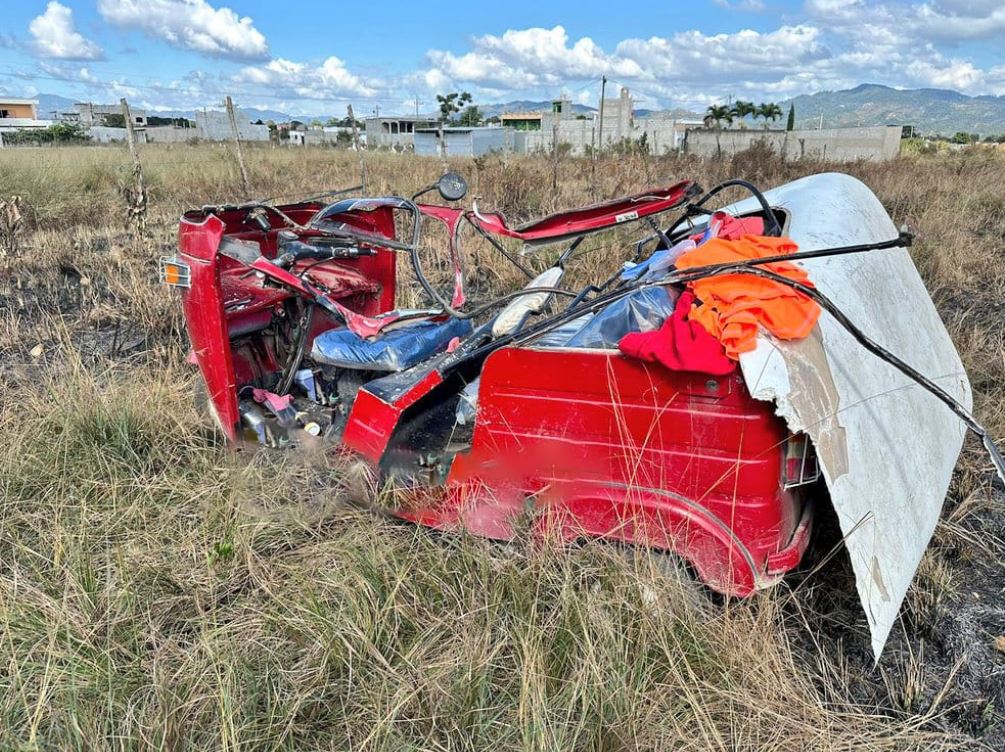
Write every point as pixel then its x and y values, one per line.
pixel 19 115
pixel 90 114
pixel 522 121
pixel 21 109
pixel 394 132
pixel 561 109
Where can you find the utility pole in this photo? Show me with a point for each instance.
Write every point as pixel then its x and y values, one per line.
pixel 600 128
pixel 417 105
pixel 376 110
pixel 237 145
pixel 359 151
pixel 137 198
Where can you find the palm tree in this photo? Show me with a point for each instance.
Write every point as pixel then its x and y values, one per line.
pixel 768 111
pixel 741 109
pixel 718 113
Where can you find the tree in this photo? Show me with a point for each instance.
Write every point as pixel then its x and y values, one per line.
pixel 768 111
pixel 718 113
pixel 790 123
pixel 960 137
pixel 741 109
pixel 154 120
pixel 343 122
pixel 471 116
pixel 57 133
pixel 451 104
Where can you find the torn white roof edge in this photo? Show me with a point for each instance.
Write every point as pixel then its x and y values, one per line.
pixel 887 447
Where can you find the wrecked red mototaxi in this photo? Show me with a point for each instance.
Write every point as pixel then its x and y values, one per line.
pixel 747 366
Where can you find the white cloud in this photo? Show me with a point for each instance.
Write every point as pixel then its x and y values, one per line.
pixel 56 37
pixel 190 24
pixel 527 58
pixel 684 68
pixel 742 6
pixel 916 23
pixel 959 20
pixel 697 57
pixel 330 80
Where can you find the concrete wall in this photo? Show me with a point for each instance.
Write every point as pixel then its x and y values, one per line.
pixel 214 125
pixel 8 125
pixel 104 134
pixel 878 143
pixel 663 134
pixel 170 134
pixel 464 142
pixel 485 140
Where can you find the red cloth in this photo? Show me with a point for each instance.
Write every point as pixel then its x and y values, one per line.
pixel 736 306
pixel 733 228
pixel 679 344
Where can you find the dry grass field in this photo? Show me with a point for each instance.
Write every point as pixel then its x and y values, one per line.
pixel 158 591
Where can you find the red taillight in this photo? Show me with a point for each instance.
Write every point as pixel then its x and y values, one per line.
pixel 800 466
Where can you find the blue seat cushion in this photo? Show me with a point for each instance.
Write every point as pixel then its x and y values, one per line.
pixel 395 350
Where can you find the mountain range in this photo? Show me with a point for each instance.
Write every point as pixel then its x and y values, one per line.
pixel 930 111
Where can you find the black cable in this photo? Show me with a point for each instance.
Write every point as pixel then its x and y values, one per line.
pixel 753 266
pixel 883 354
pixel 695 207
pixel 297 354
pixel 689 275
pixel 903 240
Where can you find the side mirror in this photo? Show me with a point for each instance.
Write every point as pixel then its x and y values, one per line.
pixel 452 186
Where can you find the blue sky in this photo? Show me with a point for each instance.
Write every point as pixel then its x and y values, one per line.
pixel 316 57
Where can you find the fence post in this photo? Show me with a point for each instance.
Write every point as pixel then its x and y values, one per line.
pixel 443 149
pixel 237 145
pixel 136 197
pixel 359 151
pixel 554 158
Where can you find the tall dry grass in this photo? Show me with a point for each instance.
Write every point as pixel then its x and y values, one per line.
pixel 160 591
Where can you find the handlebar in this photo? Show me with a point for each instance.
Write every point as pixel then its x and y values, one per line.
pixel 297 250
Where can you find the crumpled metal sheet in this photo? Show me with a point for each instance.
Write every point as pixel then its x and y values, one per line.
pixel 887 447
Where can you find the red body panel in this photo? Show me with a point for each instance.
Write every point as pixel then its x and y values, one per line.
pixel 372 420
pixel 615 448
pixel 207 323
pixel 590 218
pixel 600 445
pixel 224 299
